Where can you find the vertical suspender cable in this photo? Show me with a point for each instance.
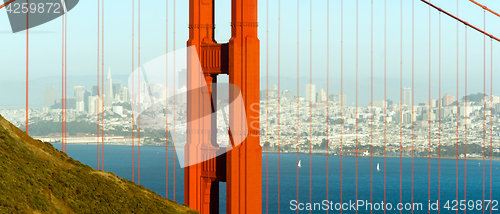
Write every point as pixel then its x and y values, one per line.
pixel 401 115
pixel 279 103
pixel 99 97
pixel 63 131
pixel 371 108
pixel 27 69
pixel 430 112
pixel 65 83
pixel 63 98
pixel 65 77
pixel 298 104
pixel 341 96
pixel 456 173
pixel 465 133
pixel 66 72
pixel 173 112
pixel 356 111
pixel 267 107
pixel 412 93
pixel 491 123
pixel 133 94
pixel 385 97
pixel 62 81
pixel 439 103
pixel 102 86
pixel 138 91
pixel 484 105
pixel 327 90
pixel 310 101
pixel 166 102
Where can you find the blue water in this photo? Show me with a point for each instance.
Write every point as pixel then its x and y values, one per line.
pixel 118 159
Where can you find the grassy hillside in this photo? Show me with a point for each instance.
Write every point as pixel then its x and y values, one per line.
pixel 37 178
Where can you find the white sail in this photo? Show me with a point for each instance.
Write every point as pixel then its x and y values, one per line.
pixel 378 167
pixel 299 165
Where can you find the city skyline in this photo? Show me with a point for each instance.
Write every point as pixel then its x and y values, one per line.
pixel 363 100
pixel 83 62
pixel 420 118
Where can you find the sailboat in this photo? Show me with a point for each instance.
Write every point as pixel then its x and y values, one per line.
pixel 378 167
pixel 299 164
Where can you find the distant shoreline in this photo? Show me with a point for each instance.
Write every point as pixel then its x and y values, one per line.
pixel 381 156
pixel 315 153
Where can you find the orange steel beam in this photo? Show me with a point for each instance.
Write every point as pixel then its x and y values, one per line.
pixel 207 164
pixel 201 183
pixel 244 162
pixel 460 20
pixel 484 7
pixel 7 3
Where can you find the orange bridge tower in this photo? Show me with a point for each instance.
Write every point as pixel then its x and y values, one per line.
pixel 240 166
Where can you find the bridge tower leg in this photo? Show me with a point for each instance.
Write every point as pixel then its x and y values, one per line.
pixel 201 190
pixel 241 166
pixel 244 163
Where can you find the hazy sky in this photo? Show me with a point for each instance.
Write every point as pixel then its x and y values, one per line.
pixel 45 44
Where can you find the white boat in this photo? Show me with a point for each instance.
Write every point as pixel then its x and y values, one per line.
pixel 378 167
pixel 299 164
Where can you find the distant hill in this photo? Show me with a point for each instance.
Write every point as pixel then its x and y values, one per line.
pixel 37 178
pixel 478 97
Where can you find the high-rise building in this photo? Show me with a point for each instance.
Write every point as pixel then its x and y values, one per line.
pixel 465 110
pixel 80 106
pixel 407 118
pixel 433 103
pixel 321 97
pixel 124 95
pixel 79 92
pixel 94 90
pixel 94 105
pixel 117 88
pixel 108 99
pixel 311 92
pixel 493 98
pixel 438 102
pixel 50 96
pixel 407 96
pixel 448 99
pixel 86 96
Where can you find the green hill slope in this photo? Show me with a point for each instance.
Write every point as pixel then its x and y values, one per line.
pixel 37 178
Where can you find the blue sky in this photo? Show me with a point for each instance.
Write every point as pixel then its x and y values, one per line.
pixel 45 44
